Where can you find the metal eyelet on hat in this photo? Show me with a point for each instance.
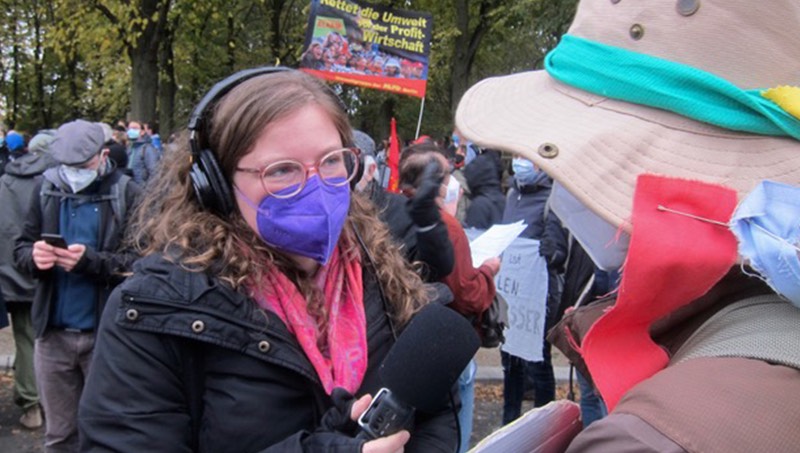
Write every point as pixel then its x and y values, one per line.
pixel 132 314
pixel 636 31
pixel 198 326
pixel 615 1
pixel 263 346
pixel 687 7
pixel 548 150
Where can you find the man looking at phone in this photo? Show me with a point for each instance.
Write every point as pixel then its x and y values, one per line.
pixel 86 201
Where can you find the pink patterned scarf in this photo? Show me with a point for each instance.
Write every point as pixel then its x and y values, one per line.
pixel 341 284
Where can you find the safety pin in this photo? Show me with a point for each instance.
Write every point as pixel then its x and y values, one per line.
pixel 716 222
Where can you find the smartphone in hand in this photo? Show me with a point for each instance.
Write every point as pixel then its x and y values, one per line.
pixel 56 240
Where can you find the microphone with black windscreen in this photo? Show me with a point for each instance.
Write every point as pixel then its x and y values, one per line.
pixel 420 370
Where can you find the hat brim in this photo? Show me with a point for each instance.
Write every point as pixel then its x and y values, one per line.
pixel 596 147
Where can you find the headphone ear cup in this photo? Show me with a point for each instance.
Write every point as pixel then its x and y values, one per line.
pixel 210 185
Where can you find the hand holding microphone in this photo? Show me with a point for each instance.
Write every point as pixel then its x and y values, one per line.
pixel 389 444
pixel 340 419
pixel 419 371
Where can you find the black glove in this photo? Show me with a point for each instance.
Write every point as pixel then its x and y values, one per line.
pixel 337 418
pixel 423 209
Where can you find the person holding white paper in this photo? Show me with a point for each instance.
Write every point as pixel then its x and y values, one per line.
pixel 526 200
pixel 473 289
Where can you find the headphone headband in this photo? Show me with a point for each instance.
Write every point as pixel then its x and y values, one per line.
pixel 211 186
pixel 198 117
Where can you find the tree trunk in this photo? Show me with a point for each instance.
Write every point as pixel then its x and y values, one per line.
pixel 144 84
pixel 12 116
pixel 74 95
pixel 168 86
pixel 231 44
pixel 143 53
pixel 466 46
pixel 460 71
pixel 38 68
pixel 275 28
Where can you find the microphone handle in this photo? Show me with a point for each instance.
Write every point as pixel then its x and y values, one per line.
pixel 385 416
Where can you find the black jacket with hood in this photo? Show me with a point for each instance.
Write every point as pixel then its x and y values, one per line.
pixel 184 363
pixel 486 194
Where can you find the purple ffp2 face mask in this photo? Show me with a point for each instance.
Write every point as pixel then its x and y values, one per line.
pixel 307 224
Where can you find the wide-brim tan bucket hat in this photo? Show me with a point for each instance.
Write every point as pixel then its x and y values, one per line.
pixel 596 146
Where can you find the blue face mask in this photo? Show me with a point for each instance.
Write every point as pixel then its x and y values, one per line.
pixel 471 154
pixel 767 228
pixel 524 171
pixel 455 139
pixel 134 134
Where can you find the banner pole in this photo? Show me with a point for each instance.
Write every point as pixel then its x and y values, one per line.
pixel 419 122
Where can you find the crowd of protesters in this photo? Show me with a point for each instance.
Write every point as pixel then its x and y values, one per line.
pixel 82 182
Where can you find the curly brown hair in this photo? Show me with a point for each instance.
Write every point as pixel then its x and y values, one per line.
pixel 170 220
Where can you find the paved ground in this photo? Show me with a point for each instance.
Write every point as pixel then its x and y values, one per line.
pixel 13 437
pixel 487 416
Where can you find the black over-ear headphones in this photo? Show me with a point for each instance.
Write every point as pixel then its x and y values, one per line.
pixel 211 187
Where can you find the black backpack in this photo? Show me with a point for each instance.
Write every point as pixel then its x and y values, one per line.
pixel 493 322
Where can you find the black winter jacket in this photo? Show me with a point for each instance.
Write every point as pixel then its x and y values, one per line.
pixel 486 194
pixel 104 265
pixel 431 247
pixel 174 343
pixel 529 203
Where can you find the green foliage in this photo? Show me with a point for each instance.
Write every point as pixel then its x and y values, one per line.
pixel 62 59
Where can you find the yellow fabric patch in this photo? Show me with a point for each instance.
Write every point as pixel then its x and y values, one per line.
pixel 787 98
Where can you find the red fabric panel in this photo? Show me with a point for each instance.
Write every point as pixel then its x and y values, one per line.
pixel 672 260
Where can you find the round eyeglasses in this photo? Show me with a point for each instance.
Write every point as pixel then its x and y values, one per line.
pixel 286 178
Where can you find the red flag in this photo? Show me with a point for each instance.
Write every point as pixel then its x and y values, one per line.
pixel 394 160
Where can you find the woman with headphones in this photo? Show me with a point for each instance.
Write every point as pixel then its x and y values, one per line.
pixel 268 293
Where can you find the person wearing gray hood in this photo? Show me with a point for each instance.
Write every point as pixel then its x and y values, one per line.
pixel 17 187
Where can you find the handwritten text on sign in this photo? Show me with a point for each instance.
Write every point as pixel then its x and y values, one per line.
pixel 522 280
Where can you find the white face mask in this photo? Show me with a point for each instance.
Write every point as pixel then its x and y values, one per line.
pixel 596 236
pixel 78 178
pixel 453 191
pixel 369 173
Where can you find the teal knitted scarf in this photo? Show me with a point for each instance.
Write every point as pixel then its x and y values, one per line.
pixel 643 79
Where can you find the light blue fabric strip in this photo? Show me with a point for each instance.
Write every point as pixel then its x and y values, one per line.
pixel 643 79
